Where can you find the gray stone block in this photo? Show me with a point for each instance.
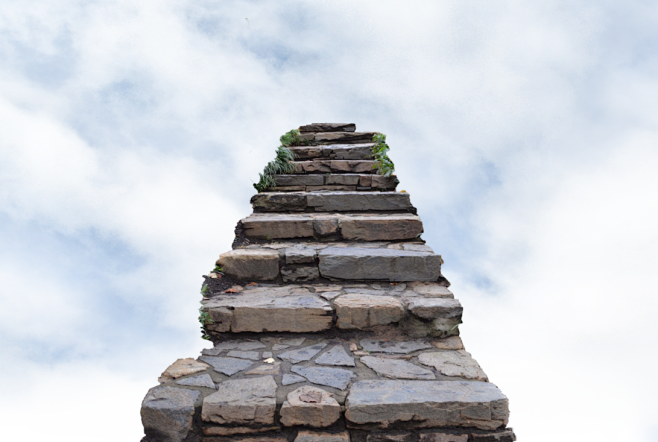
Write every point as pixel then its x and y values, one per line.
pixel 242 401
pixel 396 368
pixel 328 127
pixel 279 202
pixel 358 201
pixel 258 264
pixel 331 377
pixel 167 412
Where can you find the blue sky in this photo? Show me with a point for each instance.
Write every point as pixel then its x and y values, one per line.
pixel 525 132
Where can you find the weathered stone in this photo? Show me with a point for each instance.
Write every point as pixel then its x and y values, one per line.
pixel 396 368
pixel 383 264
pixel 351 151
pixel 253 355
pixel 344 137
pixel 330 188
pixel 299 180
pixel 502 436
pixel 427 404
pixel 310 406
pixel 300 255
pixel 310 436
pixel 454 363
pixel 356 311
pixel 328 127
pixel 365 181
pixel 331 377
pixel 279 201
pixel 344 179
pixel 302 354
pixel 167 413
pixel 277 226
pixel 380 437
pixel 242 401
pixel 432 308
pixel 293 342
pixel 289 379
pixel 384 182
pixel 330 295
pixel 267 354
pixel 431 289
pixel 203 380
pixel 229 431
pixel 358 201
pixel 259 264
pixel 228 366
pixel 263 311
pixel 274 368
pixel 299 274
pixel 182 367
pixel 336 355
pixel 286 189
pixel 249 345
pixel 381 228
pixel 393 347
pixel 443 437
pixel 451 343
pixel 245 439
pixel 326 226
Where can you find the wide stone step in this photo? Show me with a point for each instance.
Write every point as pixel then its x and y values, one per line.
pixel 328 127
pixel 335 166
pixel 417 309
pixel 343 181
pixel 316 138
pixel 295 262
pixel 334 152
pixel 332 226
pixel 311 388
pixel 331 202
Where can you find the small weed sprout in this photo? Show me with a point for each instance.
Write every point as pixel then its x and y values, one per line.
pixel 204 320
pixel 280 165
pixel 383 163
pixel 291 138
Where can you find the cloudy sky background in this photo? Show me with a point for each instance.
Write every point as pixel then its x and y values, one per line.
pixel 525 132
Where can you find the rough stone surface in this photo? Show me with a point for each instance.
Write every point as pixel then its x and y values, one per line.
pixel 302 354
pixel 301 179
pixel 358 201
pixel 432 308
pixel 253 355
pixel 167 412
pixel 297 274
pixel 300 255
pixel 259 264
pixel 328 127
pixel 343 137
pixel 393 347
pixel 443 437
pixel 357 311
pixel 397 368
pixel 228 366
pixel 382 264
pixel 336 355
pixel 454 363
pixel 334 166
pixel 182 367
pixel 427 403
pixel 381 228
pixel 279 201
pixel 289 379
pixel 402 437
pixel 311 406
pixel 242 401
pixel 274 368
pixel 331 377
pixel 502 436
pixel 451 343
pixel 311 436
pixel 229 431
pixel 431 289
pixel 203 380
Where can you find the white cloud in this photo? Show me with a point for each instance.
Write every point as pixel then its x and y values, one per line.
pixel 568 336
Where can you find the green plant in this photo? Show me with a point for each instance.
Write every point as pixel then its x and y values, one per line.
pixel 204 320
pixel 291 138
pixel 281 164
pixel 383 163
pixel 204 289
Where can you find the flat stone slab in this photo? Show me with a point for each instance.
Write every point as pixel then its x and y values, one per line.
pixel 310 406
pixel 430 289
pixel 351 227
pixel 454 363
pixel 302 354
pixel 360 311
pixel 167 412
pixel 242 401
pixel 381 264
pixel 203 380
pixel 228 366
pixel 258 264
pixel 443 437
pixel 431 308
pixel 289 379
pixel 335 166
pixel 343 137
pixel 269 310
pixel 397 368
pixel 334 152
pixel 328 127
pixel 336 355
pixel 393 347
pixel 182 367
pixel 427 404
pixel 331 201
pixel 331 377
pixel 253 355
pixel 311 436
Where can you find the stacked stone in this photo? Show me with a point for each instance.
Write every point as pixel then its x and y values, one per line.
pixel 331 321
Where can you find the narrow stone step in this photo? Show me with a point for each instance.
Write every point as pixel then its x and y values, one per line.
pixel 335 166
pixel 328 127
pixel 333 226
pixel 380 261
pixel 315 182
pixel 317 307
pixel 312 388
pixel 331 201
pixel 334 152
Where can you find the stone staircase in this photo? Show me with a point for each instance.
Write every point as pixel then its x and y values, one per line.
pixel 330 320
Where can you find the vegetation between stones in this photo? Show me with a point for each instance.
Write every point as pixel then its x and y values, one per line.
pixel 383 163
pixel 281 164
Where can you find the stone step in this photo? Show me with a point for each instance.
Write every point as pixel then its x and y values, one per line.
pixel 332 226
pixel 326 201
pixel 317 138
pixel 295 262
pixel 334 152
pixel 328 127
pixel 314 388
pixel 315 182
pixel 416 309
pixel 335 166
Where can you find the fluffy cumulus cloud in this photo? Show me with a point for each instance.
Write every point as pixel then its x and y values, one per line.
pixel 525 132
